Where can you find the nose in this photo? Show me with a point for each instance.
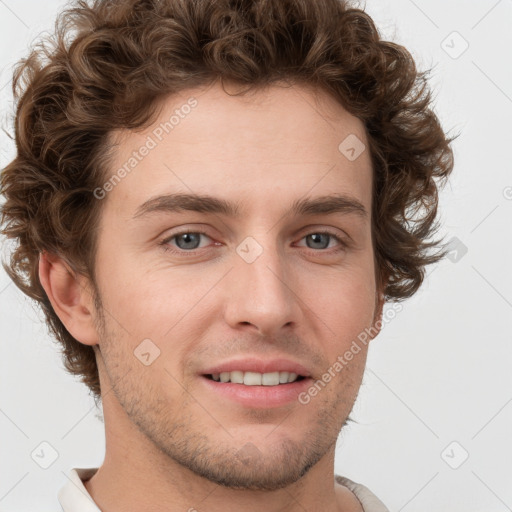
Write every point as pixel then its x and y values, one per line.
pixel 260 294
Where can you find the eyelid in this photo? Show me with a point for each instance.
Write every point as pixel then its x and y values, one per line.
pixel 323 228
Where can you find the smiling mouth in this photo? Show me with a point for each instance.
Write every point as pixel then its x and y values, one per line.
pixel 255 378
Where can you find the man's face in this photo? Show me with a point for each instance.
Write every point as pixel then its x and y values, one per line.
pixel 266 290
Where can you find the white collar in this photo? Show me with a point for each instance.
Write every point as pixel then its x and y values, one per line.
pixel 74 496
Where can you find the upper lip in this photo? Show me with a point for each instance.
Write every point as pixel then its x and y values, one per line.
pixel 259 366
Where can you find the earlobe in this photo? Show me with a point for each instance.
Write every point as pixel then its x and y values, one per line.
pixel 69 296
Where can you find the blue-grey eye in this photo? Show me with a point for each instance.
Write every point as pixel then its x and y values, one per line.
pixel 317 239
pixel 188 240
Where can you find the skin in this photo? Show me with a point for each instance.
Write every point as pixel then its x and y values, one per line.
pixel 170 440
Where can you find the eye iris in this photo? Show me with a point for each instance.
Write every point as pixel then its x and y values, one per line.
pixel 188 238
pixel 316 237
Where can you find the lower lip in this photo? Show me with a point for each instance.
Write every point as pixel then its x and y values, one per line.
pixel 261 397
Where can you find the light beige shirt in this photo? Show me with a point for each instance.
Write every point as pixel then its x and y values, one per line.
pixel 74 496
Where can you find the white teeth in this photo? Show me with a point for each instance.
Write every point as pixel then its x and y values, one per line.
pixel 283 377
pixel 252 379
pixel 270 379
pixel 292 377
pixel 255 378
pixel 237 377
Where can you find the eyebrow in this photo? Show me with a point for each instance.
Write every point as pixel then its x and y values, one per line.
pixel 326 205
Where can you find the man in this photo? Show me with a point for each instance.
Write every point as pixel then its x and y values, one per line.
pixel 213 203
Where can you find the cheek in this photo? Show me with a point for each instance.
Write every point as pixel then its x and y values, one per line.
pixel 346 301
pixel 127 299
pixel 155 305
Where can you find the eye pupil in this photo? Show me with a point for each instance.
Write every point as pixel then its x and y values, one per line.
pixel 316 237
pixel 188 238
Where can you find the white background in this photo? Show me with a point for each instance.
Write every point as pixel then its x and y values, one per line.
pixel 439 373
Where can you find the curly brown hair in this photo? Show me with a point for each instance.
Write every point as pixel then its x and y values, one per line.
pixel 110 61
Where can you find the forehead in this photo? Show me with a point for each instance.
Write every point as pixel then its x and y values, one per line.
pixel 268 144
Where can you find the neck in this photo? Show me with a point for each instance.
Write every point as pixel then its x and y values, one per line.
pixel 134 480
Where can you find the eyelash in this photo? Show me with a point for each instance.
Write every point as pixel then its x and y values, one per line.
pixel 167 248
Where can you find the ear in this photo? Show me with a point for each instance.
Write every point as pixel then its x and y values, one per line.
pixel 380 300
pixel 70 296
